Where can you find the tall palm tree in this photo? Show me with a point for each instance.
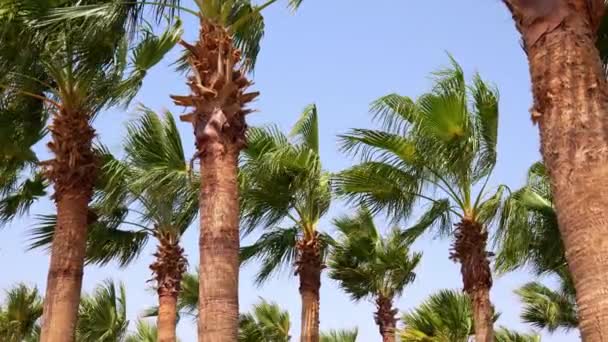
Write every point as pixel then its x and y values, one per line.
pixel 340 335
pixel 20 313
pixel 102 315
pixel 367 265
pixel 528 236
pixel 153 183
pixel 267 322
pixel 283 182
pixel 447 316
pixel 570 99
pixel 85 77
pixel 443 145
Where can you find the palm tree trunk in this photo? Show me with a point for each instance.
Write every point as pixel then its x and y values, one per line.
pixel 309 268
pixel 219 247
pixel 571 106
pixel 73 173
pixel 218 94
pixel 167 317
pixel 168 269
pixel 385 318
pixel 470 250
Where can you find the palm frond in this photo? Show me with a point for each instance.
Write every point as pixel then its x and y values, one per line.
pixel 20 313
pixel 436 219
pixel 19 202
pixel 306 130
pixel 275 250
pixel 145 332
pixel 506 335
pixel 266 322
pixel 344 335
pixel 102 315
pixel 545 308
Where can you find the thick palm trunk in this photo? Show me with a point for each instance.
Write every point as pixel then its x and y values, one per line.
pixel 385 318
pixel 167 318
pixel 571 107
pixel 218 95
pixel 168 269
pixel 73 173
pixel 309 269
pixel 470 250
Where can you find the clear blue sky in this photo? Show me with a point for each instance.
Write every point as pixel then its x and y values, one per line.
pixel 340 54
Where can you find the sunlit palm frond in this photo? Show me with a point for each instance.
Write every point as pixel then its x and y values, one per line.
pixel 266 322
pixel 145 332
pixel 18 202
pixel 349 335
pixel 20 313
pixel 306 130
pixel 506 335
pixel 102 315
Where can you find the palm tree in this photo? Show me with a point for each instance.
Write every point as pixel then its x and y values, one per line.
pixel 85 77
pixel 267 322
pixel 367 265
pixel 340 336
pixel 153 183
pixel 283 181
pixel 443 141
pixel 102 316
pixel 20 313
pixel 447 316
pixel 570 99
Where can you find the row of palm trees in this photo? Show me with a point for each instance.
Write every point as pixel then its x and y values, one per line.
pixel 69 62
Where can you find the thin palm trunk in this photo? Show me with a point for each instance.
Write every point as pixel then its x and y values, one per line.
pixel 470 250
pixel 570 105
pixel 218 95
pixel 73 173
pixel 385 318
pixel 169 268
pixel 309 270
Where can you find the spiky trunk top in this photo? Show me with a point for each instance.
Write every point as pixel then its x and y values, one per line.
pixel 217 83
pixel 169 266
pixel 469 249
pixel 74 169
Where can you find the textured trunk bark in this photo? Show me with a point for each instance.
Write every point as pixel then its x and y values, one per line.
pixel 219 246
pixel 66 270
pixel 309 269
pixel 385 318
pixel 73 172
pixel 470 250
pixel 167 317
pixel 571 107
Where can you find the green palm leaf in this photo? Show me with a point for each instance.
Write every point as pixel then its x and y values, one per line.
pixel 102 315
pixel 340 335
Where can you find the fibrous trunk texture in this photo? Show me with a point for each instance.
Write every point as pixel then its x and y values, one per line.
pixel 308 267
pixel 73 172
pixel 469 250
pixel 571 108
pixel 168 270
pixel 218 85
pixel 385 318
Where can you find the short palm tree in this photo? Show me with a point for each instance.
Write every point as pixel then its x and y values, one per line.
pixel 283 183
pixel 153 183
pixel 340 336
pixel 439 149
pixel 266 322
pixel 549 309
pixel 102 316
pixel 529 236
pixel 367 265
pixel 20 313
pixel 85 76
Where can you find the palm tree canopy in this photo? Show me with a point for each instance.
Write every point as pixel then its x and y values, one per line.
pixel 266 322
pixel 367 264
pixel 146 332
pixel 549 309
pixel 102 315
pixel 506 335
pixel 300 196
pixel 339 335
pixel 149 192
pixel 446 140
pixel 20 313
pixel 528 233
